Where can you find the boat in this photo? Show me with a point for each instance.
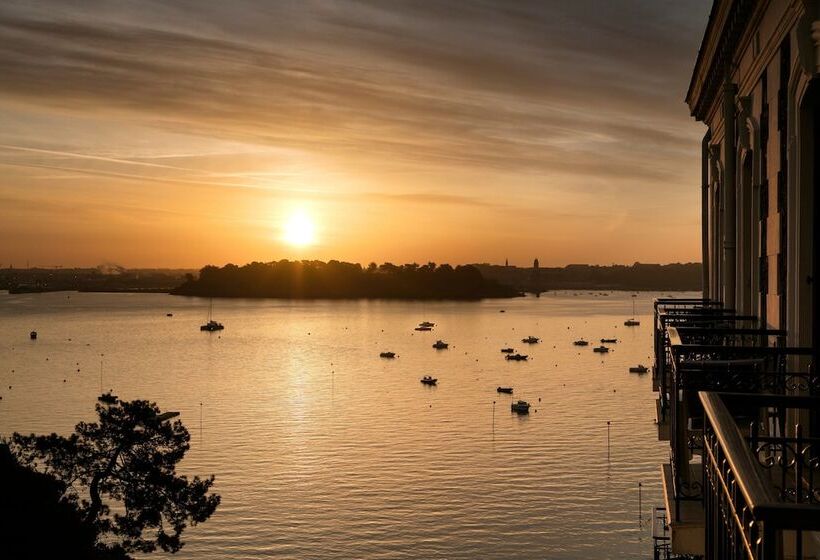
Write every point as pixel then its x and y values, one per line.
pixel 441 345
pixel 427 380
pixel 640 368
pixel 517 357
pixel 507 350
pixel 502 310
pixel 507 390
pixel 601 349
pixel 521 407
pixel 169 314
pixel 33 335
pixel 387 355
pixel 531 340
pixel 609 340
pixel 427 324
pixel 633 322
pixel 211 325
pixel 581 342
pixel 424 328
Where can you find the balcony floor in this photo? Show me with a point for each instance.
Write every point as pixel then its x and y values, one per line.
pixel 688 532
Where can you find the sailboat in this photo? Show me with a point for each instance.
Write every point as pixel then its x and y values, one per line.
pixel 211 325
pixel 633 322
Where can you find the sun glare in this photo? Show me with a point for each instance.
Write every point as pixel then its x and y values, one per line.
pixel 299 230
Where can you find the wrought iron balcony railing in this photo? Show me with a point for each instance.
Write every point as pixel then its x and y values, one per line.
pixel 761 487
pixel 698 367
pixel 692 317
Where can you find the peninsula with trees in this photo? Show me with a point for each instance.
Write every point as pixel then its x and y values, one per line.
pixel 343 280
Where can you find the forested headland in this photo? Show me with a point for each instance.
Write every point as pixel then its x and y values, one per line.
pixel 342 280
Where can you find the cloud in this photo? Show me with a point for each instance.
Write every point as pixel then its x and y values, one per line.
pixel 511 88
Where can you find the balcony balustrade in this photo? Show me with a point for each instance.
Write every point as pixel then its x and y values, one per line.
pixel 701 347
pixel 761 476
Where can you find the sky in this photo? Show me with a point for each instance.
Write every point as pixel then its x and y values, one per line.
pixel 183 133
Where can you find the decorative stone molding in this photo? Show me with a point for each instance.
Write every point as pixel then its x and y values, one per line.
pixel 744 117
pixel 715 167
pixel 815 35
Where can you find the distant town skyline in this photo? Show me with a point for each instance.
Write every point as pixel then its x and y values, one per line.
pixel 177 135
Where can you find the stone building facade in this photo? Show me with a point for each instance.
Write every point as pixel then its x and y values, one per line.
pixel 756 88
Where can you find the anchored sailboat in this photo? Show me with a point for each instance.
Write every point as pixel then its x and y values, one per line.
pixel 633 322
pixel 211 325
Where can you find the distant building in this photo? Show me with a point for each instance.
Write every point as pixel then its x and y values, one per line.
pixel 736 373
pixel 535 264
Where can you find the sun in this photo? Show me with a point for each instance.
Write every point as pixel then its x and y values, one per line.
pixel 299 230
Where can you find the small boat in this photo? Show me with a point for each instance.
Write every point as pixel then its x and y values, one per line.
pixel 427 380
pixel 521 407
pixel 441 345
pixel 169 314
pixel 507 390
pixel 507 350
pixel 640 368
pixel 424 328
pixel 212 326
pixel 427 324
pixel 33 335
pixel 517 357
pixel 390 355
pixel 502 310
pixel 609 340
pixel 581 342
pixel 601 349
pixel 531 340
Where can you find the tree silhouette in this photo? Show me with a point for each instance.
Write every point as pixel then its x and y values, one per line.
pixel 125 462
pixel 335 279
pixel 36 519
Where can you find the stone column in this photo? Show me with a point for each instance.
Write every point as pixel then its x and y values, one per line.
pixel 729 195
pixel 704 211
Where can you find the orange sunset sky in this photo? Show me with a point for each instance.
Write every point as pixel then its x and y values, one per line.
pixel 179 134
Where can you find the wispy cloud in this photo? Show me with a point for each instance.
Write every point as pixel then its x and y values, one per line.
pixel 462 84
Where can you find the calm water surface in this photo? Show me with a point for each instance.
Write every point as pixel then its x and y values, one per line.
pixel 323 450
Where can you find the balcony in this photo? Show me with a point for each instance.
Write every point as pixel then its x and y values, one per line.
pixel 762 482
pixel 691 313
pixel 702 347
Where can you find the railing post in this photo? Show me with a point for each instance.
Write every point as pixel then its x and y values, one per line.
pixel 798 463
pixel 768 548
pixel 798 485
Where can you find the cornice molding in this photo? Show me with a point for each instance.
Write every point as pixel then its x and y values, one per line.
pixel 727 24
